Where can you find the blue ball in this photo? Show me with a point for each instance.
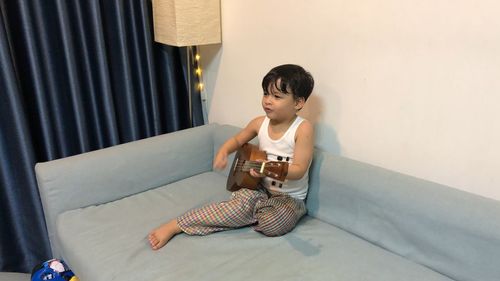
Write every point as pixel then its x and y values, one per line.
pixel 54 270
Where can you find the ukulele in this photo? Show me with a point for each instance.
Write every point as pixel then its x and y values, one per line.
pixel 245 159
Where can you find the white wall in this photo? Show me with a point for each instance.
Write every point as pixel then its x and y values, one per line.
pixel 411 86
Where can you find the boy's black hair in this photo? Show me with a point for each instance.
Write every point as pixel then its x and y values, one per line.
pixel 292 77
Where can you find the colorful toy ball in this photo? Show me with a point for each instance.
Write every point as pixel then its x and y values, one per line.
pixel 54 269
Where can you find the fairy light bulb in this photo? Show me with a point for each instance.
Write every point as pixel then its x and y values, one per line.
pixel 200 86
pixel 198 71
pixel 197 57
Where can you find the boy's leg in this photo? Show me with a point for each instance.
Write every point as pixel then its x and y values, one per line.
pixel 237 212
pixel 279 214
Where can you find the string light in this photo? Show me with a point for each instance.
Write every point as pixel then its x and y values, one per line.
pixel 198 71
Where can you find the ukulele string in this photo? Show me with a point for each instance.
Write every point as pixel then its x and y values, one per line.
pixel 246 165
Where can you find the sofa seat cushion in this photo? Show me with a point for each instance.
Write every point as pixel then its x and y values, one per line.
pixel 108 242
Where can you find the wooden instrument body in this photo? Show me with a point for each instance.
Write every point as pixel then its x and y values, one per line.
pixel 246 158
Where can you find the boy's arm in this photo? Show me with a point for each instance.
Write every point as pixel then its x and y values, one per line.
pixel 236 141
pixel 303 152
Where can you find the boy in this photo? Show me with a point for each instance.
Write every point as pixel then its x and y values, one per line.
pixel 275 208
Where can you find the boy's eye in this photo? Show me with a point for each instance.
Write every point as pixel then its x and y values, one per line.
pixel 276 96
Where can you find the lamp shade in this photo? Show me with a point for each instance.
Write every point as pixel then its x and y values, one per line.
pixel 187 22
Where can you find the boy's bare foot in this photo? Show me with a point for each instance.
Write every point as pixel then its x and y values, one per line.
pixel 160 236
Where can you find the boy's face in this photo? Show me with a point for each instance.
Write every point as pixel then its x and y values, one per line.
pixel 280 106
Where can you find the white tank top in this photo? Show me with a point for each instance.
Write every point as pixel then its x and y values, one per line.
pixel 282 150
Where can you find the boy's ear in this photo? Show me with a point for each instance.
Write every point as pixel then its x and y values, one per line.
pixel 299 103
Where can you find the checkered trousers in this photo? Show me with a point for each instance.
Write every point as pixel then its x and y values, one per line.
pixel 273 215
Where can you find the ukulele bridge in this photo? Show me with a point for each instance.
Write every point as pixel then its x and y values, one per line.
pixel 236 166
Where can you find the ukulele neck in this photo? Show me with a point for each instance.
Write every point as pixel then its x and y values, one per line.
pixel 246 165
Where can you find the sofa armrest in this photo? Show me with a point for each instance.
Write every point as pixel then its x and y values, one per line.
pixel 448 230
pixel 112 173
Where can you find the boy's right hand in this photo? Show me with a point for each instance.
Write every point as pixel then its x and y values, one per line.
pixel 220 160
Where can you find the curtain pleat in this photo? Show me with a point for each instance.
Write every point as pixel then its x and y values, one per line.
pixel 76 76
pixel 21 236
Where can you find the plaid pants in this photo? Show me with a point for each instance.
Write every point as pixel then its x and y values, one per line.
pixel 273 215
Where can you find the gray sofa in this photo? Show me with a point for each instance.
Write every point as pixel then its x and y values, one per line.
pixel 364 222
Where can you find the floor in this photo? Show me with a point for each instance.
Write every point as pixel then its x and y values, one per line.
pixel 8 276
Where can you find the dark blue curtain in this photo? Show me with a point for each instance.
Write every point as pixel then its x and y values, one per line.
pixel 76 76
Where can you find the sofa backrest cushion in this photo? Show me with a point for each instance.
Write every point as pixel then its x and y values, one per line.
pixel 453 232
